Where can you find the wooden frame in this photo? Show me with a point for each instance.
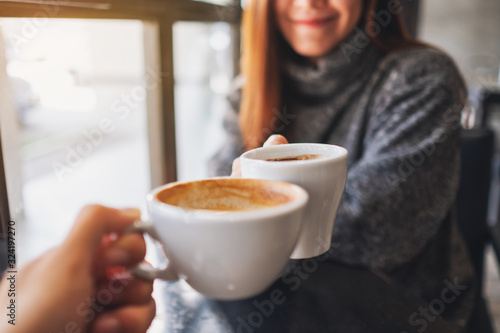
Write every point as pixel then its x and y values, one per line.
pixel 4 213
pixel 4 202
pixel 159 17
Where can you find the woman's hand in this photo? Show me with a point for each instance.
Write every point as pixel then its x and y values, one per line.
pixel 82 285
pixel 273 140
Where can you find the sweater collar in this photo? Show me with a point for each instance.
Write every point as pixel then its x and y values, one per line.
pixel 344 63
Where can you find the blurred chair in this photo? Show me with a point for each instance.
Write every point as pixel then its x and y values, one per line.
pixel 490 103
pixel 477 149
pixel 489 99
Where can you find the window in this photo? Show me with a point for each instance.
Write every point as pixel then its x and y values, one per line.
pixel 81 116
pixel 202 80
pixel 131 64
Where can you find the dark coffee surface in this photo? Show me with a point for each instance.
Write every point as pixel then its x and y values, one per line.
pixel 304 157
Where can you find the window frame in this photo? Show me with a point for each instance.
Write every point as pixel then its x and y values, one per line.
pixel 158 17
pixel 4 202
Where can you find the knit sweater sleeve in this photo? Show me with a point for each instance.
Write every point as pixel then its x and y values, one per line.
pixel 400 190
pixel 221 163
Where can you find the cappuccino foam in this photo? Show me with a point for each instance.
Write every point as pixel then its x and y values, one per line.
pixel 227 194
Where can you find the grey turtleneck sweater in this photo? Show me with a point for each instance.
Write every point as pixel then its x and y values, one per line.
pixel 398 116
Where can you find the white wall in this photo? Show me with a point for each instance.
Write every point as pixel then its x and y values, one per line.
pixel 469 30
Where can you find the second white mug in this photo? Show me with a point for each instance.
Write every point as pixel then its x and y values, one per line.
pixel 321 170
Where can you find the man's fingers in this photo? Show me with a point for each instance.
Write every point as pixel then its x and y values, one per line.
pixel 94 222
pixel 275 140
pixel 128 250
pixel 133 291
pixel 130 319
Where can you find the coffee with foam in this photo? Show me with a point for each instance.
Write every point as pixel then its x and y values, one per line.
pixel 304 157
pixel 228 238
pixel 226 194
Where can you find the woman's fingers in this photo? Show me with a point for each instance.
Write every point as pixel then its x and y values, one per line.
pixel 275 140
pixel 130 319
pixel 236 168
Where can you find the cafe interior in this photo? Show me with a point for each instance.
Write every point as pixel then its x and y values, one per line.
pixel 102 101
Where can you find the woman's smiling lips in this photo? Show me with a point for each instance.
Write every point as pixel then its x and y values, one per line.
pixel 313 22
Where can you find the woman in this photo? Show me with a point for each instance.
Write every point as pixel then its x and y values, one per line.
pixel 345 72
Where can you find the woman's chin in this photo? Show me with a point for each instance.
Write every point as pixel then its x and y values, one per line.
pixel 312 53
pixel 314 49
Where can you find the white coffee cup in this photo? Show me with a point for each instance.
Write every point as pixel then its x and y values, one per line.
pixel 324 178
pixel 229 238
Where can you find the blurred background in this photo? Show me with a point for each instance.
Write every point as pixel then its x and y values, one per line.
pixel 79 92
pixel 80 107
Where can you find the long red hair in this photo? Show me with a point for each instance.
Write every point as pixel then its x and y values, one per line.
pixel 261 98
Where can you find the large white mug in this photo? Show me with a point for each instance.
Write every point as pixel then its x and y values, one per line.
pixel 229 238
pixel 320 169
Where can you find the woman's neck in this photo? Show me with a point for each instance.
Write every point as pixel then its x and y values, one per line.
pixel 313 61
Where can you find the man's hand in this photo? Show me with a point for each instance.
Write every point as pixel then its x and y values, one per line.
pixel 82 286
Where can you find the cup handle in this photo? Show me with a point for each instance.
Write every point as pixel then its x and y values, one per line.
pixel 143 270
